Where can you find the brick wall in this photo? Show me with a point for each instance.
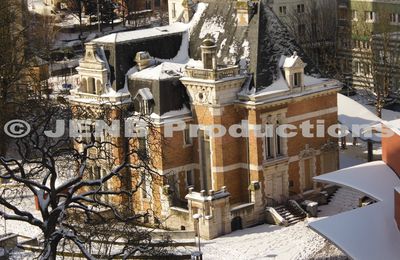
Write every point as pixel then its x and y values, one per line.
pixel 391 149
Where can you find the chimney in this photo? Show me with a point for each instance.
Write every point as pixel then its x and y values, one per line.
pixel 243 12
pixel 143 60
pixel 90 51
pixel 209 54
pixel 187 10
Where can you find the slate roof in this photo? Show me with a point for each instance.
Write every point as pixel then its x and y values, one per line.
pixel 268 39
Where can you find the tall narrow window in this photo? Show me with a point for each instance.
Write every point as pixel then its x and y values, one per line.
pixel 146 186
pixel 187 137
pixel 278 141
pixel 269 139
pixel 354 15
pixel 282 10
pixel 370 16
pixel 190 178
pixel 300 8
pixel 297 79
pixel 269 147
pixel 142 148
pixel 273 142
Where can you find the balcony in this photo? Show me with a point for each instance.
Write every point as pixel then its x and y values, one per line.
pixel 77 95
pixel 209 74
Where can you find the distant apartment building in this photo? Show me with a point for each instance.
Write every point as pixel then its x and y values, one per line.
pixel 312 23
pixel 368 42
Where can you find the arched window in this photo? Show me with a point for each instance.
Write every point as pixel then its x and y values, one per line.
pixel 91 86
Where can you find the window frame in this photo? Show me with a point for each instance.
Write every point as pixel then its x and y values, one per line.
pixel 273 145
pixel 190 173
pixel 300 8
pixel 187 139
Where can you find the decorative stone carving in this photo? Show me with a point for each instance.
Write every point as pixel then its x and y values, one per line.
pixel 330 146
pixel 307 152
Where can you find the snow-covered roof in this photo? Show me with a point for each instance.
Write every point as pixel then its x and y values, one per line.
pixel 163 71
pixel 369 232
pixel 292 61
pixel 145 93
pixel 260 45
pixel 143 34
pixel 280 86
pixel 357 118
pixel 172 114
pixel 394 125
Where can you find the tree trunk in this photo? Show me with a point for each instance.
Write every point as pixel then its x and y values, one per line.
pixel 50 250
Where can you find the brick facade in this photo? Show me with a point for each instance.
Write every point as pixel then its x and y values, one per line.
pixel 227 179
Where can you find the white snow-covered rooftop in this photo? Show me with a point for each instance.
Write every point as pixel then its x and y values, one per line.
pixel 163 71
pixel 356 116
pixel 374 179
pixel 394 125
pixel 369 232
pixel 145 93
pixel 143 34
pixel 289 62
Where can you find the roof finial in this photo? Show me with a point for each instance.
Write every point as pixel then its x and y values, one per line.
pixel 295 54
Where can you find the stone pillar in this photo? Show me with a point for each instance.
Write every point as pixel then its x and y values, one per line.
pixel 214 210
pixel 257 198
pixel 165 200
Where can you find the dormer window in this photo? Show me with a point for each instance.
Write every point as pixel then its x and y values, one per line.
pixel 146 107
pixel 297 80
pixel 293 68
pixel 144 101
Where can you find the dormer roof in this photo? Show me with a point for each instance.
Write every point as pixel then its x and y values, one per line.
pixel 293 61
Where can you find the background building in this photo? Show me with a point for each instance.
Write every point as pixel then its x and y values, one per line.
pixel 312 23
pixel 368 42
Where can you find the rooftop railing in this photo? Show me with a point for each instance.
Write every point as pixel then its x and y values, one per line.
pixel 210 74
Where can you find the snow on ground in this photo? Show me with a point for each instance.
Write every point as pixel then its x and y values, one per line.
pixel 56 83
pixel 365 99
pixel 276 242
pixel 22 228
pixel 37 6
pixel 266 242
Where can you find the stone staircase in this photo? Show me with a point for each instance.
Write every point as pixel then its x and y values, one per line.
pixel 343 199
pixel 290 214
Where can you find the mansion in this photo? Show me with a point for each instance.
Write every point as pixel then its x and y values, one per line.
pixel 221 63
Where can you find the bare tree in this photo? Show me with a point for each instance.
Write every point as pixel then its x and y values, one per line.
pixel 25 38
pixel 80 184
pixel 76 8
pixel 312 24
pixel 374 52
